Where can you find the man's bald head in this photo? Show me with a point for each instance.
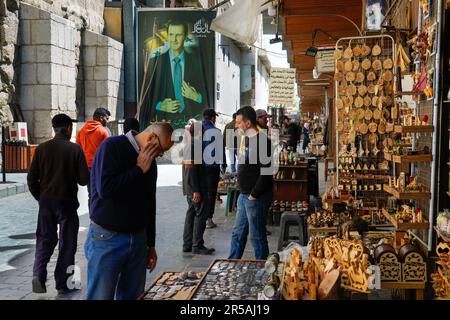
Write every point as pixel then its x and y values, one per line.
pixel 164 132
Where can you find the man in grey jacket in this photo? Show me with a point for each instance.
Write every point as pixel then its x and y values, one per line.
pixel 196 194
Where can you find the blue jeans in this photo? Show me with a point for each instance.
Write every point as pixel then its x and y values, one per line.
pixel 116 264
pixel 250 216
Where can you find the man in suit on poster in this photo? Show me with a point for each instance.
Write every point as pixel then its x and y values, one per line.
pixel 178 88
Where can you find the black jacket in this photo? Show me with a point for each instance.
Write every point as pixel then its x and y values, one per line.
pixel 162 87
pixel 57 168
pixel 251 178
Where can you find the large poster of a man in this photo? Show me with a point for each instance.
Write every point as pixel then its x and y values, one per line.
pixel 175 65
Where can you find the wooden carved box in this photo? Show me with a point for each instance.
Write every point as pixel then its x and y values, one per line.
pixel 387 259
pixel 414 267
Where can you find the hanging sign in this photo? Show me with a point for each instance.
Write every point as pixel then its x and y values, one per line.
pixel 325 60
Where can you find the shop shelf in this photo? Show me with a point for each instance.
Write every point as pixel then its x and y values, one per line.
pixel 322 229
pixel 413 129
pixel 405 226
pixel 408 158
pixel 446 239
pixel 292 166
pixel 289 180
pixel 402 285
pixel 413 195
pixel 404 145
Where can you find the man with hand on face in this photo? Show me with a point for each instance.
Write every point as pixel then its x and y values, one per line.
pixel 255 182
pixel 178 90
pixel 121 240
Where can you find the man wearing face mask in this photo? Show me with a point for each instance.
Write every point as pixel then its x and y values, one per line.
pixel 255 182
pixel 121 240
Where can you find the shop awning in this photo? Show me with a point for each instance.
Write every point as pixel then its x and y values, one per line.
pixel 339 18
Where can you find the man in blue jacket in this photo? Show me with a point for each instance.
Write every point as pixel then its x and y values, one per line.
pixel 121 240
pixel 213 159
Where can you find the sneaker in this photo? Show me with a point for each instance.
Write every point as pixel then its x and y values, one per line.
pixel 210 224
pixel 38 285
pixel 203 250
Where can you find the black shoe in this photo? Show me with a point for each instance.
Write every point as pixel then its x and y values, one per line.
pixel 187 249
pixel 38 285
pixel 66 290
pixel 203 250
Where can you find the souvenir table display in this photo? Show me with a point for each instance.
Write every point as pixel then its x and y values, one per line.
pixel 326 218
pixel 173 286
pixel 232 280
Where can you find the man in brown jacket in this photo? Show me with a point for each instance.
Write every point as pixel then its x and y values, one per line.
pixel 57 167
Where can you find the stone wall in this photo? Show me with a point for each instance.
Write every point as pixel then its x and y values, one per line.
pixel 103 74
pixel 47 69
pixel 9 27
pixel 86 14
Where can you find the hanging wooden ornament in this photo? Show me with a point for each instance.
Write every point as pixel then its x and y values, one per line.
pixel 366 64
pixel 348 53
pixel 373 127
pixel 351 90
pixel 350 76
pixel 338 76
pixel 360 77
pixel 376 50
pixel 337 54
pixel 377 65
pixel 387 64
pixel 348 66
pixel 368 114
pixel 359 102
pixel 362 90
pixel 374 101
pixel 366 50
pixel 340 65
pixel 371 76
pixel 357 50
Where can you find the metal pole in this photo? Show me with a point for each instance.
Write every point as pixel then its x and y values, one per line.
pixel 3 155
pixel 435 122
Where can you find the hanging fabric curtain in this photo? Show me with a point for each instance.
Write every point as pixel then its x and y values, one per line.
pixel 240 22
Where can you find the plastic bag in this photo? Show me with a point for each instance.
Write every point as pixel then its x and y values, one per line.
pixel 238 26
pixel 284 254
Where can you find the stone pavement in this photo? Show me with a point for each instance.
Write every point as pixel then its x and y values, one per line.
pixel 15 183
pixel 171 207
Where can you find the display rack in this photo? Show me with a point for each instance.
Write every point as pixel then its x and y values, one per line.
pixel 354 141
pixel 405 226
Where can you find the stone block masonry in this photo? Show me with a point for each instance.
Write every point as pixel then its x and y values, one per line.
pixel 102 69
pixel 47 69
